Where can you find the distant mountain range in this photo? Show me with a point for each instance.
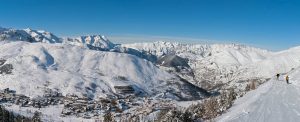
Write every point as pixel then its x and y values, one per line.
pixel 94 67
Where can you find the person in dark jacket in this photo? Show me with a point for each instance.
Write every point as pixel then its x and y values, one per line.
pixel 287 79
pixel 277 75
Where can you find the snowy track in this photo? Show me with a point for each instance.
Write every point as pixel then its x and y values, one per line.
pixel 275 101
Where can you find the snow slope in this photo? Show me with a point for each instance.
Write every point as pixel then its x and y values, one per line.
pixel 213 64
pixel 94 41
pixel 76 70
pixel 224 63
pixel 223 54
pixel 101 43
pixel 275 101
pixel 215 59
pixel 277 62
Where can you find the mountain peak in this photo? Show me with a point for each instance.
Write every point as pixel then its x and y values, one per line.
pixel 92 41
pixel 27 34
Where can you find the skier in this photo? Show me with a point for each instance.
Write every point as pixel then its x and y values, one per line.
pixel 287 79
pixel 277 75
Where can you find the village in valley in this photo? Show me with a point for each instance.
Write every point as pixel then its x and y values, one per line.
pixel 83 106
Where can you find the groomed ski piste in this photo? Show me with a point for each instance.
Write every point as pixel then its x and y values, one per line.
pixel 274 101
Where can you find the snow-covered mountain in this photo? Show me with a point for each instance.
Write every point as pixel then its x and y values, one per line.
pixel 101 43
pixel 278 62
pixel 237 66
pixel 28 35
pixel 226 63
pixel 233 53
pixel 88 67
pixel 134 78
pixel 75 70
pixel 35 69
pixel 94 41
pixel 209 62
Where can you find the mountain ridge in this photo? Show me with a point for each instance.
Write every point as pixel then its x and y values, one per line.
pixel 160 73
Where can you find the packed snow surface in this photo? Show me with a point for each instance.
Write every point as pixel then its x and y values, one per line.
pixel 274 101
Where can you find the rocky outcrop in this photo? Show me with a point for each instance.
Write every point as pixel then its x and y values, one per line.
pixel 173 61
pixel 5 68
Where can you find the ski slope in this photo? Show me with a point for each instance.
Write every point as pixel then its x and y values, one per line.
pixel 275 101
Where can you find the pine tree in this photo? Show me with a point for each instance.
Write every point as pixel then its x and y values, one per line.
pixel 1 114
pixel 18 118
pixel 11 117
pixel 5 115
pixel 109 117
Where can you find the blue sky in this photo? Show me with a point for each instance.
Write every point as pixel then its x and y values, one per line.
pixel 271 24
